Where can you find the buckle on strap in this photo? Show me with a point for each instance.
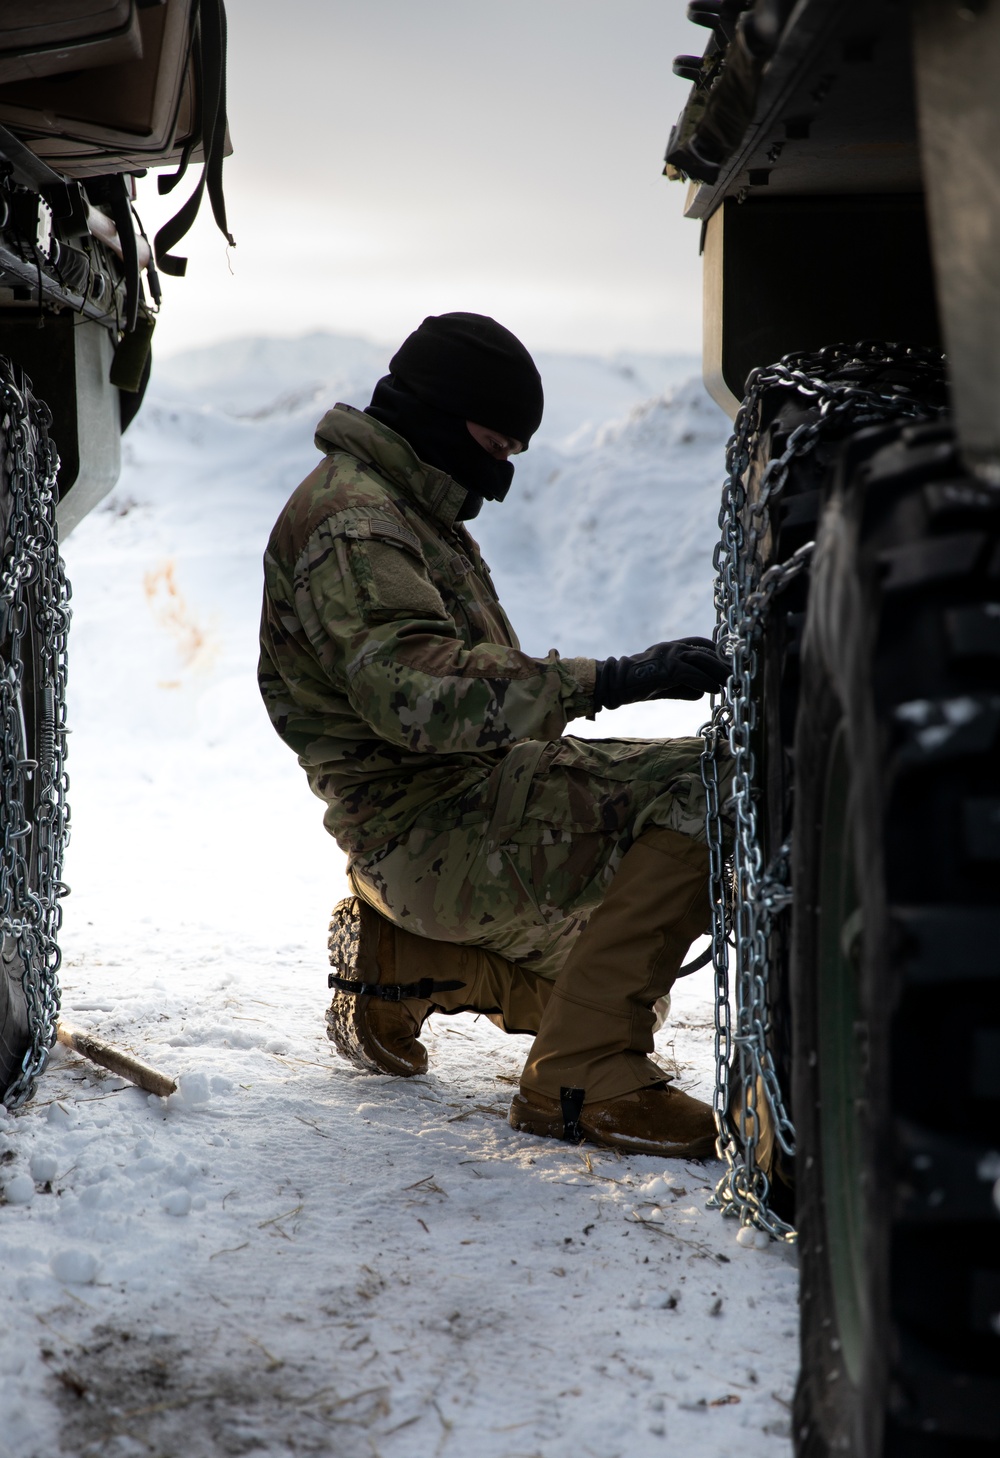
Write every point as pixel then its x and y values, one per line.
pixel 392 991
pixel 571 1102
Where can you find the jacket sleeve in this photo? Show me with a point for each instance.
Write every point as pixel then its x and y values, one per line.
pixel 376 618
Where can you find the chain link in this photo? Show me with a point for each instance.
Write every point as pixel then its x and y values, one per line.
pixel 838 384
pixel 34 814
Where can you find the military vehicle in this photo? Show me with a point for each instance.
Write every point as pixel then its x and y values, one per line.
pixel 842 162
pixel 93 93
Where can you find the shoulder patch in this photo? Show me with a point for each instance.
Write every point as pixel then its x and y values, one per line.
pixel 380 529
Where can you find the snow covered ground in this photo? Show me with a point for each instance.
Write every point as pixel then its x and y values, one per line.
pixel 288 1256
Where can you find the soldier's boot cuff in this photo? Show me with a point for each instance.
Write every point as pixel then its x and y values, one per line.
pixel 375 1032
pixel 465 978
pixel 387 980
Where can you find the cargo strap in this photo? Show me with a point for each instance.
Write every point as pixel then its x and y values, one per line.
pixel 121 212
pixel 571 1103
pixel 697 964
pixel 210 46
pixel 392 991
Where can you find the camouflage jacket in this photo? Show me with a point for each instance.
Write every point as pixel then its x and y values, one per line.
pixel 387 663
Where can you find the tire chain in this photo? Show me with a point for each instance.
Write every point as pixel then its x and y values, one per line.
pixel 34 596
pixel 745 896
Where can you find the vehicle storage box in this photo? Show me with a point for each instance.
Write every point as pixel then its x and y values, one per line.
pixel 123 117
pixel 46 37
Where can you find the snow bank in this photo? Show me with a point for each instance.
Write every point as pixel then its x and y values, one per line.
pixel 288 1256
pixel 606 546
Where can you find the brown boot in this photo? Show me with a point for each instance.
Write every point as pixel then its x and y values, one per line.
pixel 597 1030
pixel 657 1119
pixel 378 1030
pixel 371 1031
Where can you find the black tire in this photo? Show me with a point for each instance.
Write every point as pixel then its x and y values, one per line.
pixel 895 962
pixel 26 745
pixel 15 1029
pixel 792 521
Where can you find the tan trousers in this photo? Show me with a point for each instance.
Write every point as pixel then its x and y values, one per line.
pixel 594 1025
pixel 513 997
pixel 597 1027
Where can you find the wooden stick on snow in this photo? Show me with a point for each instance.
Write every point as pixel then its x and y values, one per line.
pixel 97 1051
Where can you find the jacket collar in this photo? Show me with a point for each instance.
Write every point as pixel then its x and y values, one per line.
pixel 345 429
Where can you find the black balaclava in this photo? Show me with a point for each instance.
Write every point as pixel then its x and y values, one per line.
pixel 456 368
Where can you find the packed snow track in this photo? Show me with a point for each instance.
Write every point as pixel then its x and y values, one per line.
pixel 289 1256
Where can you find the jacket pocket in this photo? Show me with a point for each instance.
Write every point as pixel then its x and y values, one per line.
pixel 511 788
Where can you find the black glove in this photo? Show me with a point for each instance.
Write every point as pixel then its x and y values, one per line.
pixel 682 670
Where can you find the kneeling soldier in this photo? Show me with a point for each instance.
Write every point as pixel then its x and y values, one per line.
pixel 499 866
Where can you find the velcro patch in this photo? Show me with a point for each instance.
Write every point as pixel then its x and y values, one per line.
pixel 379 529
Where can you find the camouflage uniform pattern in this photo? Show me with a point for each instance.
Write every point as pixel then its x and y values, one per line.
pixel 387 662
pixel 389 666
pixel 524 881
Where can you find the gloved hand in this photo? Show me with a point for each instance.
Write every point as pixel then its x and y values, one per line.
pixel 685 669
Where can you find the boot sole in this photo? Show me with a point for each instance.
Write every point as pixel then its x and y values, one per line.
pixel 346 1023
pixel 527 1119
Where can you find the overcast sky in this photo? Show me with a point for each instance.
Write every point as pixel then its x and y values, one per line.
pixel 395 158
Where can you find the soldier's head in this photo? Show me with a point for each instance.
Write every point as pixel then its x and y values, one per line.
pixel 465 393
